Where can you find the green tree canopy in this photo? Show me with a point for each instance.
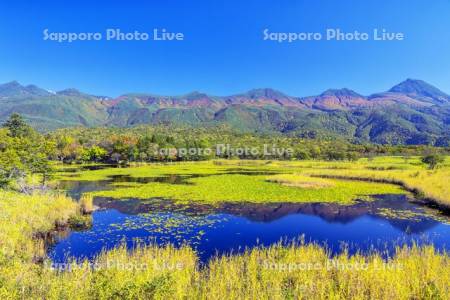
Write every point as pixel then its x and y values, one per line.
pixel 17 126
pixel 433 160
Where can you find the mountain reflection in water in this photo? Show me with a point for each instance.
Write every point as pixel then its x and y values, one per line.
pixel 232 227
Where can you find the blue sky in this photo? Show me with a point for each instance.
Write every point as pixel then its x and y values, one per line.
pixel 223 51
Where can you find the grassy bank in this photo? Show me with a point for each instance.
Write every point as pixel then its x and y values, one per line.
pixel 411 174
pixel 24 217
pixel 431 185
pixel 297 272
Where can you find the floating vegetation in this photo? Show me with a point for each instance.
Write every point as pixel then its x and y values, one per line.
pixel 171 227
pixel 399 214
pixel 253 188
pixel 411 173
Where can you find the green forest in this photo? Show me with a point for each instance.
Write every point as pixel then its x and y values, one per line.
pixel 23 150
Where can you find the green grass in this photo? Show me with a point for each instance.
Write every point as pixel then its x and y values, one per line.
pixel 150 170
pixel 258 189
pixel 219 186
pixel 409 173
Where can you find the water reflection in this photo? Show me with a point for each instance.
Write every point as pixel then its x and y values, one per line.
pixel 79 168
pixel 399 210
pixel 232 227
pixel 228 227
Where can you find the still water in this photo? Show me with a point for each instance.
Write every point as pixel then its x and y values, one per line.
pixel 381 224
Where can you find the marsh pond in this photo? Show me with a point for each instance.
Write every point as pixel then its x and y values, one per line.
pixel 224 208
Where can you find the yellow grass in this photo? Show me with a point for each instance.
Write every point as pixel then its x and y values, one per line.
pixel 277 272
pixel 86 203
pixel 414 176
pixel 23 216
pixel 297 180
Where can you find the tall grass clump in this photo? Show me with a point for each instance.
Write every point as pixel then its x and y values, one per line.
pixel 414 176
pixel 25 217
pixel 86 203
pixel 146 273
pixel 310 272
pixel 276 272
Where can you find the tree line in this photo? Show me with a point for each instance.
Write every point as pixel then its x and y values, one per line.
pixel 169 143
pixel 24 151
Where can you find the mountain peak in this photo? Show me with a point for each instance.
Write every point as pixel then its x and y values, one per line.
pixel 15 89
pixel 195 95
pixel 415 87
pixel 410 85
pixel 12 85
pixel 265 93
pixel 344 92
pixel 70 92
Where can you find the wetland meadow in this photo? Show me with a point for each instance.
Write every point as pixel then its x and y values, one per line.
pixel 232 228
pixel 224 206
pixel 365 228
pixel 249 229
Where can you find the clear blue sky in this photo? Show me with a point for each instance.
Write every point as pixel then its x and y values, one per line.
pixel 223 51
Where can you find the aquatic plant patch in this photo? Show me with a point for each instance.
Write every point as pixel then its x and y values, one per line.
pixel 235 187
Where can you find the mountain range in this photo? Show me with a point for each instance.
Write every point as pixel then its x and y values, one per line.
pixel 412 112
